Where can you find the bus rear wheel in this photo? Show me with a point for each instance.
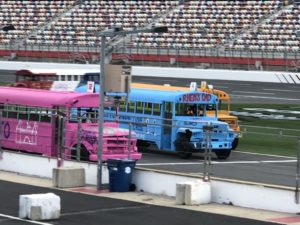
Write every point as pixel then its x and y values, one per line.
pixel 84 153
pixel 142 143
pixel 222 154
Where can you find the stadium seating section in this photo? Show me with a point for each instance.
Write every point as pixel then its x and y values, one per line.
pixel 255 25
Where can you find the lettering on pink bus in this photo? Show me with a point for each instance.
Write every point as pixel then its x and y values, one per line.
pixel 26 132
pixel 89 136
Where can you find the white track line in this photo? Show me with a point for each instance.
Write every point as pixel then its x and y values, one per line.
pixel 216 162
pixel 27 221
pixel 275 156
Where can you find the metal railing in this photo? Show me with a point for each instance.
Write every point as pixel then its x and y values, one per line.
pixel 192 57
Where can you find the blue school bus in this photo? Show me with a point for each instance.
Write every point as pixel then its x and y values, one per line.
pixel 174 121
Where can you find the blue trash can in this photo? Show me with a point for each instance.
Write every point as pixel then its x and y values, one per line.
pixel 120 174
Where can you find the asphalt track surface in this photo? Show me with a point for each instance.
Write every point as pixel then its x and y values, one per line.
pixel 249 167
pixel 85 209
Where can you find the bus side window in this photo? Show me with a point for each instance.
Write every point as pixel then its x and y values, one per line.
pixel 156 109
pixel 148 108
pixel 122 107
pixel 11 111
pixel 139 107
pixel 33 114
pixel 45 115
pixel 22 113
pixel 130 106
pixel 168 109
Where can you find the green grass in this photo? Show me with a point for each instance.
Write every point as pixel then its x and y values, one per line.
pixel 5 84
pixel 262 143
pixel 269 136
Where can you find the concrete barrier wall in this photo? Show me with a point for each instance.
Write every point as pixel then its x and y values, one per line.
pixel 169 72
pixel 255 196
pixel 43 166
pixel 157 182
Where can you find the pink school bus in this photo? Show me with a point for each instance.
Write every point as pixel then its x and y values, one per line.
pixel 44 122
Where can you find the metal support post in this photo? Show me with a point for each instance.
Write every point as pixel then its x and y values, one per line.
pixel 207 155
pixel 129 140
pixel 78 145
pixel 103 34
pixel 297 174
pixel 62 147
pixel 1 150
pixel 60 141
pixel 101 112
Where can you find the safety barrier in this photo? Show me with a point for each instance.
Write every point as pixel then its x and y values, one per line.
pixel 223 191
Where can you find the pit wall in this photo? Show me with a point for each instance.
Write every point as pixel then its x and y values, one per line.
pixel 231 192
pixel 168 72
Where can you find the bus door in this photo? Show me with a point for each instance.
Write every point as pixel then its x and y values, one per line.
pixel 167 125
pixel 58 130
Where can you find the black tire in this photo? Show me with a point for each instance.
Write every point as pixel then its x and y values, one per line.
pixel 184 155
pixel 182 146
pixel 142 143
pixel 84 153
pixel 235 143
pixel 223 154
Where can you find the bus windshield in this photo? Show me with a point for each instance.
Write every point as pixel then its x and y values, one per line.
pixel 86 115
pixel 185 109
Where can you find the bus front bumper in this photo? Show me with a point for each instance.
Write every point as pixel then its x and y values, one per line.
pixel 200 146
pixel 105 157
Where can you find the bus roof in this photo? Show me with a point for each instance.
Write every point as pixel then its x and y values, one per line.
pixel 46 98
pixel 179 96
pixel 222 95
pixel 64 71
pixel 29 72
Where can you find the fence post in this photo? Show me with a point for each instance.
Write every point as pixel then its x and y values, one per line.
pixel 78 146
pixel 1 150
pixel 297 174
pixel 129 139
pixel 207 156
pixel 60 141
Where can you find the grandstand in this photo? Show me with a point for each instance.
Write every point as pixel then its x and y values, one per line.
pixel 254 34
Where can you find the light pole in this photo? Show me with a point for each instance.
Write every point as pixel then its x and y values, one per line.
pixel 103 34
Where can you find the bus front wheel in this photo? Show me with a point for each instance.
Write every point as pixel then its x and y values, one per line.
pixel 222 154
pixel 182 146
pixel 84 154
pixel 235 143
